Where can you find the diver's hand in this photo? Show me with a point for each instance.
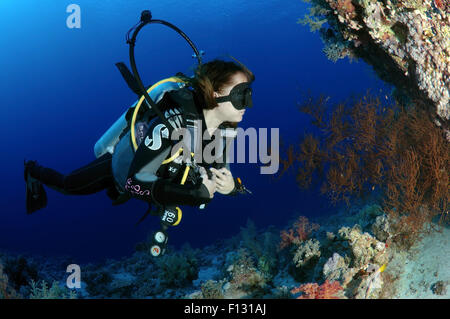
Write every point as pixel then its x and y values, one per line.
pixel 224 180
pixel 210 184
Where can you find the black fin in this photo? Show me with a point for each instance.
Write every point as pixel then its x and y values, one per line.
pixel 129 78
pixel 36 197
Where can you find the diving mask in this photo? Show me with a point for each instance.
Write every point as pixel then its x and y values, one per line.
pixel 240 96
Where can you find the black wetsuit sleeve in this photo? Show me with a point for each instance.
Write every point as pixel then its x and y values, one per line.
pixel 145 185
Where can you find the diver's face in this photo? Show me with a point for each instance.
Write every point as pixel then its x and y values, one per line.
pixel 226 110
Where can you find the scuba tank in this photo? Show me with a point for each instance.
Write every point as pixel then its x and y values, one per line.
pixel 111 137
pixel 151 96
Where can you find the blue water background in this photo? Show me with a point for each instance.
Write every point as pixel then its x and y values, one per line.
pixel 60 90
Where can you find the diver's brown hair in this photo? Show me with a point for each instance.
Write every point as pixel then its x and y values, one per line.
pixel 213 76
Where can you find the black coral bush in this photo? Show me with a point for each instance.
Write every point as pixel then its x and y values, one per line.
pixel 366 147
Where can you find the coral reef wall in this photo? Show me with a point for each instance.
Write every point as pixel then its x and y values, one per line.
pixel 407 42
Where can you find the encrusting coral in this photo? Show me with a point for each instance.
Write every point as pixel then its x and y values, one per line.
pixel 365 248
pixel 406 41
pixel 246 280
pixel 360 276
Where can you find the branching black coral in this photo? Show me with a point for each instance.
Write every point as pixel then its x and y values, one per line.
pixel 366 146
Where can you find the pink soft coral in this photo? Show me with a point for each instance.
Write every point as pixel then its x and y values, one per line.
pixel 313 291
pixel 300 232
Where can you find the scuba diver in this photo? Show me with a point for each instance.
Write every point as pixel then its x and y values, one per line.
pixel 140 158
